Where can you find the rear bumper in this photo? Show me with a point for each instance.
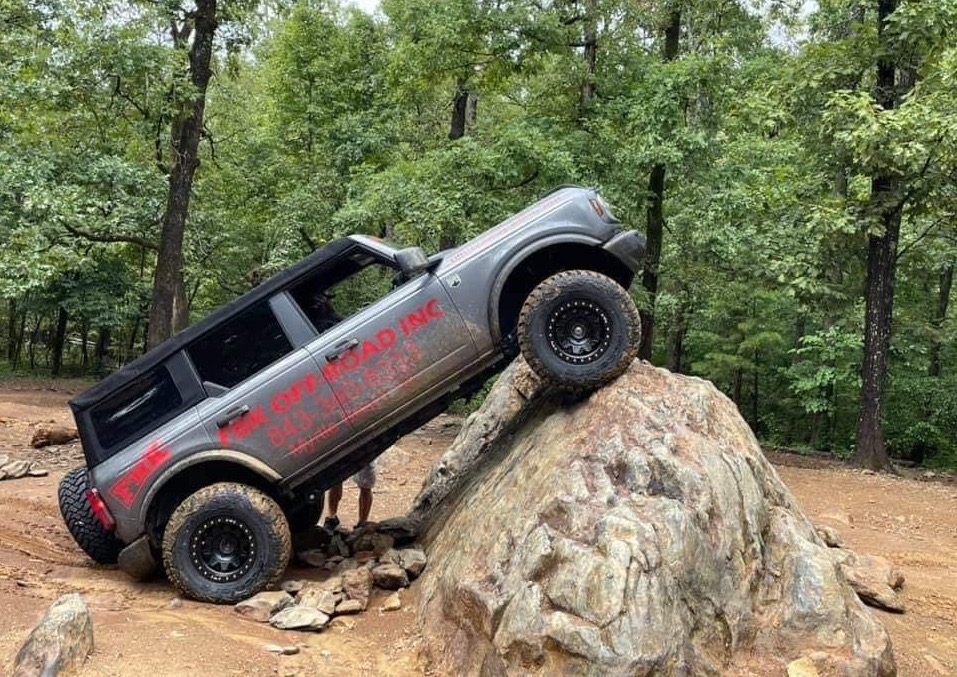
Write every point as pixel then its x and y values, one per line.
pixel 137 559
pixel 628 247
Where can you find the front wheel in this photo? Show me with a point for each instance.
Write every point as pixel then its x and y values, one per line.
pixel 579 330
pixel 225 543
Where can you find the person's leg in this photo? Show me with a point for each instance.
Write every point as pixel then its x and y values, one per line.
pixel 333 497
pixel 365 480
pixel 365 504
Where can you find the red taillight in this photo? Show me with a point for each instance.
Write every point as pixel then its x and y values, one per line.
pixel 100 510
pixel 598 207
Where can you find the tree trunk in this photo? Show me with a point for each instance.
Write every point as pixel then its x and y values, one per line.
pixel 676 339
pixel 21 334
pixel 185 135
pixel 84 352
pixel 937 323
pixel 655 212
pixel 101 348
pixel 59 338
pixel 590 43
pixel 460 110
pixel 34 339
pixel 12 330
pixel 870 450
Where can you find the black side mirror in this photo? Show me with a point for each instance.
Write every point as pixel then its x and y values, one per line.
pixel 411 261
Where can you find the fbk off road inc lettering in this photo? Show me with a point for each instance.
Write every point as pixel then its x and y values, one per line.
pixel 421 317
pixel 243 426
pixel 129 484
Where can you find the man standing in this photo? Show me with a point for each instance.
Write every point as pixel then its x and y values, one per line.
pixel 365 480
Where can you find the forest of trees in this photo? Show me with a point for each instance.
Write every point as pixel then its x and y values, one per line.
pixel 793 164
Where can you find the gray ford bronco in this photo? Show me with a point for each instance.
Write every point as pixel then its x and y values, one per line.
pixel 206 453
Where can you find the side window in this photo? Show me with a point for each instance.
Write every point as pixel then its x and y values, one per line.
pixel 241 347
pixel 141 405
pixel 343 289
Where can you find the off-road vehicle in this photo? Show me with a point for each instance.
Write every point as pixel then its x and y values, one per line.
pixel 208 451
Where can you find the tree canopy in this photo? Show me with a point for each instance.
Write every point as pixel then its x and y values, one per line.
pixel 794 173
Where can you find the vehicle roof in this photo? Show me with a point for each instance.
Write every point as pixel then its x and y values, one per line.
pixel 157 355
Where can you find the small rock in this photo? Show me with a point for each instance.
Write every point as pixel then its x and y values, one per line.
pixel 349 606
pixel 363 556
pixel 392 602
pixel 60 641
pixel 867 471
pixel 47 435
pixel 333 584
pixel 175 603
pixel 317 598
pixel 292 587
pixel 299 618
pixel 16 469
pixel 341 623
pixel 338 547
pixel 413 560
pixel 392 555
pixel 831 536
pixel 288 650
pixel 314 558
pixel 346 565
pixel 38 472
pixel 357 584
pixel 390 577
pixel 403 530
pixel 378 543
pixel 929 475
pixel 803 667
pixel 265 605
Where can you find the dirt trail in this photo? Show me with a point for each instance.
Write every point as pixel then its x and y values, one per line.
pixel 141 631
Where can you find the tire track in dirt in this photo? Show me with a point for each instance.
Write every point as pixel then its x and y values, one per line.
pixel 37 547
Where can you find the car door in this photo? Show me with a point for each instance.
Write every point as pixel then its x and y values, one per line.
pixel 267 398
pixel 395 348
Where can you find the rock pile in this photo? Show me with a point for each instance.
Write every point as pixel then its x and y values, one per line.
pixel 16 469
pixel 352 564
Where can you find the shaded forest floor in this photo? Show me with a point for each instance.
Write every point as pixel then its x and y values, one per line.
pixel 140 630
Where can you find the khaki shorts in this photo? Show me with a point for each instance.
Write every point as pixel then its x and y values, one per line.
pixel 366 477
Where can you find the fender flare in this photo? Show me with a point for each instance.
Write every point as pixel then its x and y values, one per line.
pixel 518 259
pixel 230 456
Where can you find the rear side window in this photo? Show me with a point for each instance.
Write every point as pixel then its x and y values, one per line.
pixel 241 347
pixel 140 406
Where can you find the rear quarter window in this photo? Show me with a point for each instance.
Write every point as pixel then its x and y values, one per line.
pixel 239 348
pixel 136 409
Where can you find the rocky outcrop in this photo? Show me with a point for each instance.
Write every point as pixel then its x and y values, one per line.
pixel 638 531
pixel 60 642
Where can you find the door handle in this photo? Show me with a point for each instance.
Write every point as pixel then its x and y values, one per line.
pixel 231 416
pixel 340 348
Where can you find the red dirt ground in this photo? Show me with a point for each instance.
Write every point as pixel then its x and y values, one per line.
pixel 139 633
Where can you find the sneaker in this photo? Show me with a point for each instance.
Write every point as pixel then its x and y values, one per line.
pixel 331 523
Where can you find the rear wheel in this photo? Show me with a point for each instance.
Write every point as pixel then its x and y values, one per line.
pixel 101 545
pixel 579 330
pixel 226 542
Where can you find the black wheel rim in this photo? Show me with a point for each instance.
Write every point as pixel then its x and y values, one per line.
pixel 579 331
pixel 222 549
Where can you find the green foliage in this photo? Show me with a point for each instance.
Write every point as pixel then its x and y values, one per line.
pixel 322 120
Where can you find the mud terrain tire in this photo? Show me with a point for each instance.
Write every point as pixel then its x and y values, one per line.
pixel 226 542
pixel 101 545
pixel 579 330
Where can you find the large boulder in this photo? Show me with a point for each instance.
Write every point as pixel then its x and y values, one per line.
pixel 637 531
